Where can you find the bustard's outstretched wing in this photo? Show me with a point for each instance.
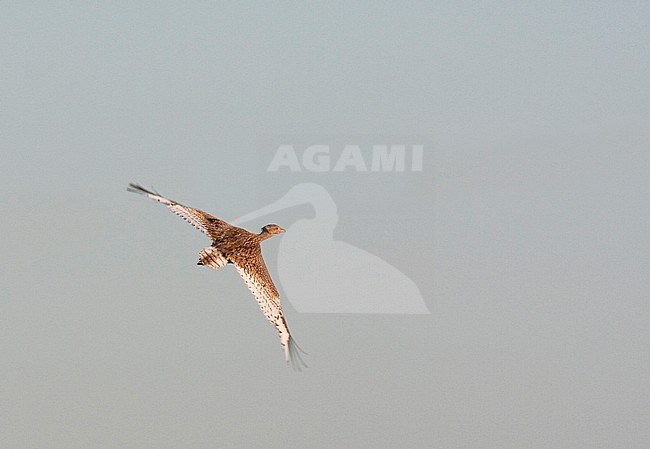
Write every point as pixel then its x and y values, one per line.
pixel 204 222
pixel 253 271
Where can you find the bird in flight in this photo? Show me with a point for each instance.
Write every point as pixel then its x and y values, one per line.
pixel 237 246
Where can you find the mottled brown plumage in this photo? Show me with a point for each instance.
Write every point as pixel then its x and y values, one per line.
pixel 231 244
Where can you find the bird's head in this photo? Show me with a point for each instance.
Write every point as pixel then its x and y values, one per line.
pixel 272 229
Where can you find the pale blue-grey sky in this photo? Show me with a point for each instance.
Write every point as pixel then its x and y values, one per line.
pixel 527 230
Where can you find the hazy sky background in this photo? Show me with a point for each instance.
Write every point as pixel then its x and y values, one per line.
pixel 535 264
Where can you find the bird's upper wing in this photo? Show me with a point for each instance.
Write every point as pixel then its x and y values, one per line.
pixel 204 222
pixel 253 271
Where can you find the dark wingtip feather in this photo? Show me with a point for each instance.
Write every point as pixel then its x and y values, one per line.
pixel 137 188
pixel 295 357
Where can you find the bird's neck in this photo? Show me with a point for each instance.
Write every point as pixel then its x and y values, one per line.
pixel 264 235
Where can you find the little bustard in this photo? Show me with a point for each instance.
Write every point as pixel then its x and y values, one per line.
pixel 231 244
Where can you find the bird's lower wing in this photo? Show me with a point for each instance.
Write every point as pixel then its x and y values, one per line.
pixel 202 221
pixel 259 283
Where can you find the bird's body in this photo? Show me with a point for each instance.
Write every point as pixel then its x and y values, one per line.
pixel 237 246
